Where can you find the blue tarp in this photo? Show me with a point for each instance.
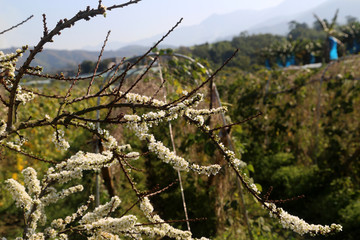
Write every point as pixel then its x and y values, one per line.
pixel 356 46
pixel 290 60
pixel 312 58
pixel 333 54
pixel 267 64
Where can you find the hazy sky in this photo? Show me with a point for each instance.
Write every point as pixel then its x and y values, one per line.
pixel 135 22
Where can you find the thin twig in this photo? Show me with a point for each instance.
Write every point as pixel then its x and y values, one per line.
pixel 73 82
pixel 41 94
pixel 63 78
pixel 237 123
pixel 285 200
pixel 161 190
pixel 171 221
pixel 137 192
pixel 116 69
pixel 142 57
pixel 148 195
pixel 183 98
pixel 131 166
pixel 28 154
pixel 138 80
pixel 17 25
pixel 98 62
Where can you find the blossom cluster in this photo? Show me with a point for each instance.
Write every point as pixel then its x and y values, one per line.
pixel 230 156
pixel 141 99
pixel 59 141
pixel 28 198
pixel 99 225
pixel 13 145
pixel 33 198
pixel 154 118
pixel 299 225
pixel 168 156
pixel 101 211
pixel 24 97
pixel 197 115
pixel 163 229
pixel 35 195
pixel 8 62
pixel 109 142
pixel 86 161
pixel 21 197
pixel 141 124
pixel 31 181
pixel 76 164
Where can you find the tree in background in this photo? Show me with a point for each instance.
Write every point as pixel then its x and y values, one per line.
pixel 81 110
pixel 332 36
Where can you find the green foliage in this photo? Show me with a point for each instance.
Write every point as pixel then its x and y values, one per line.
pixel 286 150
pixel 248 57
pixel 303 31
pixel 302 42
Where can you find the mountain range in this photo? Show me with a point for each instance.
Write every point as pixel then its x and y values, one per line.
pixel 272 20
pixel 54 60
pixel 326 10
pixel 215 28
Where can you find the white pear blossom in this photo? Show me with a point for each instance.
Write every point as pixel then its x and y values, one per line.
pixel 299 225
pixel 21 197
pixel 31 181
pixel 86 161
pixel 24 97
pixel 101 211
pixel 132 155
pixel 59 141
pixel 54 196
pixel 113 225
pixel 161 229
pixel 37 236
pixel 140 99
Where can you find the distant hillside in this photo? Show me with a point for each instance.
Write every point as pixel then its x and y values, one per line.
pixel 273 20
pixel 225 26
pixel 326 10
pixel 55 60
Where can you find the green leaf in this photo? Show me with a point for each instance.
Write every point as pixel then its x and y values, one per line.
pixel 250 167
pixel 258 186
